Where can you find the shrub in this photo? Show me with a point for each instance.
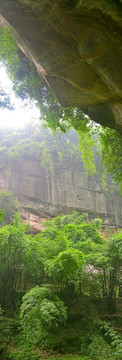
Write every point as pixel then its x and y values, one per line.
pixel 41 314
pixel 99 349
pixel 113 338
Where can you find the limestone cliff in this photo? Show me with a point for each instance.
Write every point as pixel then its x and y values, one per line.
pixel 76 47
pixel 62 190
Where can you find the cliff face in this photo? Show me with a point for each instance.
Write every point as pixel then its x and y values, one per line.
pixel 76 47
pixel 61 190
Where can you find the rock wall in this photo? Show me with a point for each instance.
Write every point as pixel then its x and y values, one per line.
pixel 61 190
pixel 76 48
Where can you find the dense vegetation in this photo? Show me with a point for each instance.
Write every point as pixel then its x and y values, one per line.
pixel 28 85
pixel 58 288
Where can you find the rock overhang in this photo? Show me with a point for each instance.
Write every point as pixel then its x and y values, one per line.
pixel 76 47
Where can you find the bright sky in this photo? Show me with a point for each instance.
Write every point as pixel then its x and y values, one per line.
pixel 21 115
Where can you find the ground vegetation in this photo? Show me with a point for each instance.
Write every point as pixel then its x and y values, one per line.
pixel 58 288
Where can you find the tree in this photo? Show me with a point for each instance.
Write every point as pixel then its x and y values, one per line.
pixel 12 261
pixel 66 269
pixel 109 262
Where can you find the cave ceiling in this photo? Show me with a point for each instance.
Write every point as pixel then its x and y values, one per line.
pixel 76 46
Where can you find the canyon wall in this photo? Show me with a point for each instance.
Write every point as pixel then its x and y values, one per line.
pixel 60 190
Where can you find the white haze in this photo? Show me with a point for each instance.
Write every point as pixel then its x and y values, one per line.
pixel 22 114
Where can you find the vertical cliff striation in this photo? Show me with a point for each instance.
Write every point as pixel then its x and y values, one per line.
pixel 61 190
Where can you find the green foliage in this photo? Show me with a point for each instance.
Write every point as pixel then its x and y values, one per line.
pixel 9 57
pixel 6 328
pixel 73 261
pixel 59 221
pixel 67 266
pixel 12 260
pixel 86 144
pixel 113 338
pixel 26 353
pixel 41 313
pixel 91 232
pixel 115 248
pixel 114 252
pixel 46 160
pixel 97 222
pixel 111 150
pixel 109 261
pixel 75 218
pixel 60 254
pixel 8 205
pixel 8 46
pixel 98 344
pixel 99 349
pixel 2 213
pixel 36 143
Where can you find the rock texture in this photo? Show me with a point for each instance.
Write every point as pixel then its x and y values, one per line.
pixel 62 190
pixel 76 47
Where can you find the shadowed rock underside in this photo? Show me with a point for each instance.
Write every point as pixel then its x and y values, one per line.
pixel 76 47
